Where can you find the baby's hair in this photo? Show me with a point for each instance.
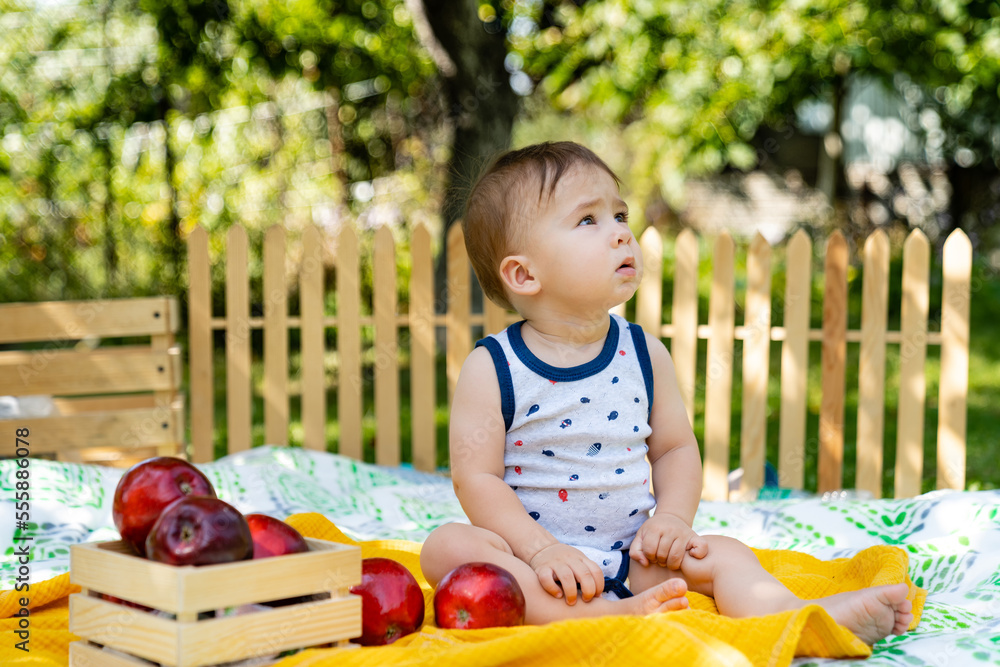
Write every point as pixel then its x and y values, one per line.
pixel 498 211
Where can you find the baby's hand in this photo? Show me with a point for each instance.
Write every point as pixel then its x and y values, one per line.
pixel 664 539
pixel 560 567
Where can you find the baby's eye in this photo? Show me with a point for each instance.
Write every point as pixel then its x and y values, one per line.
pixel 587 221
pixel 622 217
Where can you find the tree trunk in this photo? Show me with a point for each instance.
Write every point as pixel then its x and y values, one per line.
pixel 830 178
pixel 175 249
pixel 335 135
pixel 110 245
pixel 481 104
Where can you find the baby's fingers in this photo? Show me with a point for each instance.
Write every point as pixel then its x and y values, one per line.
pixel 546 577
pixel 698 546
pixel 676 555
pixel 635 551
pixel 567 581
pixel 588 580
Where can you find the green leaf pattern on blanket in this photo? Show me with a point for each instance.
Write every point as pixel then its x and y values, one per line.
pixel 952 539
pixel 75 486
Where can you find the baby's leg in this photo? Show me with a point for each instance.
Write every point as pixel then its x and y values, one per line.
pixel 454 544
pixel 732 575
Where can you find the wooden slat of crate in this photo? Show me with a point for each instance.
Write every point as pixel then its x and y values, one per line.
pixel 82 653
pixel 218 640
pixel 68 372
pixel 73 320
pixel 81 405
pixel 164 342
pixel 109 567
pixel 131 630
pixel 120 428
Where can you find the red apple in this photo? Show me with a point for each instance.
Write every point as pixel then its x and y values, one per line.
pixel 478 595
pixel 199 530
pixel 392 604
pixel 273 537
pixel 146 489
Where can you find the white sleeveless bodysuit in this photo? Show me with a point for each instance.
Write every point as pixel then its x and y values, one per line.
pixel 576 440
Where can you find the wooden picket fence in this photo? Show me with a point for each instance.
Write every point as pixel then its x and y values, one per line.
pixel 683 332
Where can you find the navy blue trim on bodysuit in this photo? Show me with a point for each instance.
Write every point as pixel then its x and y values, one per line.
pixel 503 376
pixel 616 584
pixel 642 352
pixel 556 374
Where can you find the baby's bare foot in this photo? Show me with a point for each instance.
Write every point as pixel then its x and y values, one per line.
pixel 667 596
pixel 872 613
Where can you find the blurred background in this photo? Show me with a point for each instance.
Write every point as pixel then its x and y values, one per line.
pixel 126 123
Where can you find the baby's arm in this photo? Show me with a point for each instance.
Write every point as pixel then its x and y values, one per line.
pixel 477 437
pixel 667 536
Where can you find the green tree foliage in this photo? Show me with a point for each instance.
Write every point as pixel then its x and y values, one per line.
pixel 364 53
pixel 124 124
pixel 693 81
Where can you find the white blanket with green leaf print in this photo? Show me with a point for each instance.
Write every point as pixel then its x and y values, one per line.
pixel 953 539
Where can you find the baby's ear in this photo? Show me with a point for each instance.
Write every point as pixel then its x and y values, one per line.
pixel 517 276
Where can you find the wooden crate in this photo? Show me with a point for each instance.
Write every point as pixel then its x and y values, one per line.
pixel 185 641
pixel 112 368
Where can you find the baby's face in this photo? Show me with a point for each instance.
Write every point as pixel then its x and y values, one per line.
pixel 582 248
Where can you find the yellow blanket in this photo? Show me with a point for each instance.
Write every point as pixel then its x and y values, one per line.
pixel 697 637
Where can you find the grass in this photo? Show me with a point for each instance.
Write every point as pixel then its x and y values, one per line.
pixel 984 388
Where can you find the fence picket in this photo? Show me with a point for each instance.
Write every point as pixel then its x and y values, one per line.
pixel 649 300
pixel 719 371
pixel 795 361
pixel 201 347
pixel 756 332
pixel 422 370
pixel 494 317
pixel 684 317
pixel 386 349
pixel 349 382
pixel 238 398
pixel 756 360
pixel 275 338
pixel 313 340
pixel 912 354
pixel 459 312
pixel 952 394
pixel 834 365
pixel 871 367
